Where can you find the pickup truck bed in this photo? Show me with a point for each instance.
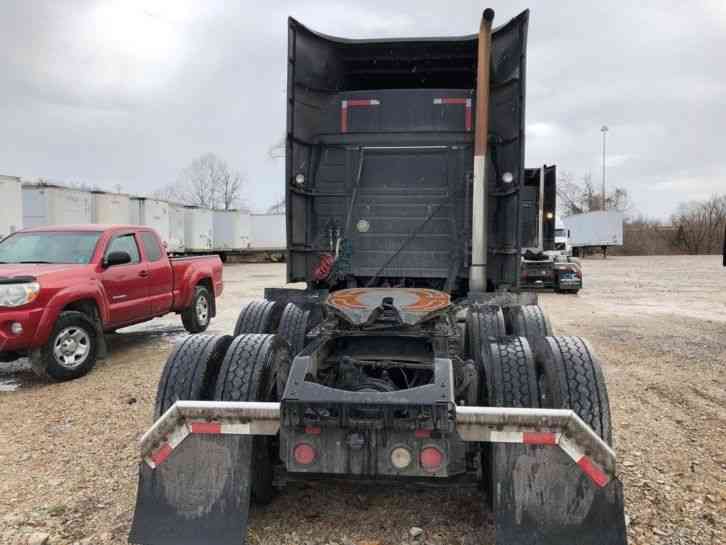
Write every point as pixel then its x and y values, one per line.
pixel 61 288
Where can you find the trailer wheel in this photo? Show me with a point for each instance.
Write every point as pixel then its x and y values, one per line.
pixel 191 371
pixel 294 327
pixel 483 322
pixel 255 368
pixel 258 317
pixel 197 316
pixel 528 321
pixel 569 376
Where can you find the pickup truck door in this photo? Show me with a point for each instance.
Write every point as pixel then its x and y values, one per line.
pixel 161 275
pixel 126 285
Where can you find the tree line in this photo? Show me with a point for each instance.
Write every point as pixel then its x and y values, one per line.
pixel 695 227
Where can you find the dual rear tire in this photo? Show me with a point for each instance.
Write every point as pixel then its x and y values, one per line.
pixel 249 367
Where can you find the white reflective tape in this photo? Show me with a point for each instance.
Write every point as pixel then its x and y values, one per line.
pixel 570 448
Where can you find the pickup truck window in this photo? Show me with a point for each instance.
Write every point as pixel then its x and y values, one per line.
pixel 49 247
pixel 151 246
pixel 125 243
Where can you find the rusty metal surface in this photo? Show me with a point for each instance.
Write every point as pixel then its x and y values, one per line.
pixel 412 304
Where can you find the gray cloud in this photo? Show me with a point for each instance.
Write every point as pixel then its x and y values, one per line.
pixel 129 92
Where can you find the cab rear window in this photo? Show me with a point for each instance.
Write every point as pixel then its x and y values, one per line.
pixel 152 248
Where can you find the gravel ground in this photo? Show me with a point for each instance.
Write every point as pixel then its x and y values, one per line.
pixel 68 451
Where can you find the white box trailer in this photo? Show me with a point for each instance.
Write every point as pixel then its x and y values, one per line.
pixel 11 196
pixel 595 229
pixel 231 231
pixel 268 231
pixel 152 213
pixel 198 229
pixel 177 228
pixel 45 204
pixel 110 208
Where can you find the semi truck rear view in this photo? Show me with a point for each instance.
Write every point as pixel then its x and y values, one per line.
pixel 412 353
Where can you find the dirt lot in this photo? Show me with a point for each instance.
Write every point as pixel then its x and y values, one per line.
pixel 68 451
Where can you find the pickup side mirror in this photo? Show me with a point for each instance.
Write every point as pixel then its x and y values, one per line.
pixel 116 258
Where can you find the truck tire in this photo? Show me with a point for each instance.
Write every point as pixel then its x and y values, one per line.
pixel 255 368
pixel 483 323
pixel 71 350
pixel 569 376
pixel 191 371
pixel 258 317
pixel 197 316
pixel 294 327
pixel 527 321
pixel 510 374
pixel 510 380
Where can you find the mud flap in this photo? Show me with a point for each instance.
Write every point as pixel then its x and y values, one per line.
pixel 200 494
pixel 541 497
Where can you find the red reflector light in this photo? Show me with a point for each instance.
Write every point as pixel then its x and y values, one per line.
pixel 431 458
pixel 422 433
pixel 313 430
pixel 303 454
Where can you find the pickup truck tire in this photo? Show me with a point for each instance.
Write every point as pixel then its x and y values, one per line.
pixel 191 371
pixel 255 368
pixel 258 317
pixel 71 350
pixel 197 316
pixel 569 376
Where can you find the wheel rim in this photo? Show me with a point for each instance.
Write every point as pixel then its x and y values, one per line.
pixel 202 310
pixel 72 347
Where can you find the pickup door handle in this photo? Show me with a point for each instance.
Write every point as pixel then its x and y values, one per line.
pixel 144 274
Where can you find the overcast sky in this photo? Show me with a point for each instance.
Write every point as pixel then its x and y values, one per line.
pixel 128 92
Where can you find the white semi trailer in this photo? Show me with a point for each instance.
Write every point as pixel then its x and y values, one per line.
pixel 600 229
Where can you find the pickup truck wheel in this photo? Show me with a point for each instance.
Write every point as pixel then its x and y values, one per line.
pixel 255 368
pixel 71 349
pixel 258 317
pixel 197 316
pixel 191 371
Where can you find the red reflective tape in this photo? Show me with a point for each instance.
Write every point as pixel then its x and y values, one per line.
pixel 454 100
pixel 363 102
pixel 161 454
pixel 313 430
pixel 344 116
pixel 537 438
pixel 211 428
pixel 422 433
pixel 592 471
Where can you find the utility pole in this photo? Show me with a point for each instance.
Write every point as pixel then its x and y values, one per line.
pixel 604 131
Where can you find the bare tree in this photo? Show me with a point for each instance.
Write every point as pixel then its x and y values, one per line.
pixel 700 225
pixel 278 207
pixel 208 182
pixel 578 197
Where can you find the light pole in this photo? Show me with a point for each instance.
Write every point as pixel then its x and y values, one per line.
pixel 604 130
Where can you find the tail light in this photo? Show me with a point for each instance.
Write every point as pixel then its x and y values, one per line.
pixel 304 454
pixel 401 457
pixel 431 458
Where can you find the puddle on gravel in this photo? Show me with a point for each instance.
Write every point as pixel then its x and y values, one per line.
pixel 8 381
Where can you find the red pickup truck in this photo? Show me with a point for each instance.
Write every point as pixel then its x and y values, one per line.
pixel 62 288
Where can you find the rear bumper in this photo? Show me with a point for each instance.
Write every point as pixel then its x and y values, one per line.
pixel 547 427
pixel 29 319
